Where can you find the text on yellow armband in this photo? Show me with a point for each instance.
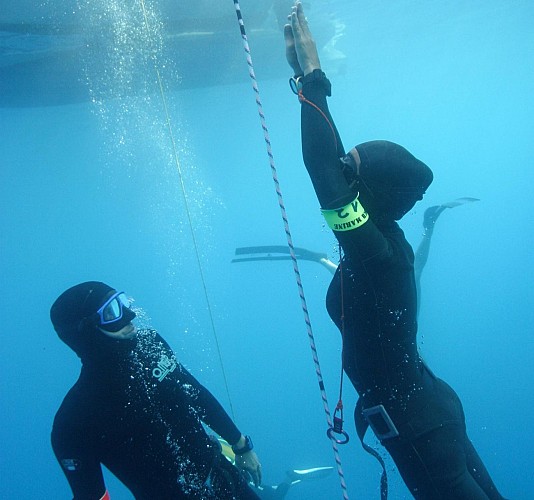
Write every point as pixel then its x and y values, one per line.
pixel 346 218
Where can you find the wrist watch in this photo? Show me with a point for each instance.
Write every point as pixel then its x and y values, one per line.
pixel 248 447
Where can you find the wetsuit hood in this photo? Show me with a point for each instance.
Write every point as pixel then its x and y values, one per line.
pixel 390 179
pixel 72 316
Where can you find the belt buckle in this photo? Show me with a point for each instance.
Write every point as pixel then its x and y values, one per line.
pixel 380 421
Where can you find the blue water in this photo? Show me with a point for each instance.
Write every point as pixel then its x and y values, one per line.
pixel 92 190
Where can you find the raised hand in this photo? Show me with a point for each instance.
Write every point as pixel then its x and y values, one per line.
pixel 291 53
pixel 301 51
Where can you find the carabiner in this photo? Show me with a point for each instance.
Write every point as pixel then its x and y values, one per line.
pixel 295 85
pixel 338 426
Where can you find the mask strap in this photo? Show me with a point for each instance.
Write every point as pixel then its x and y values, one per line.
pixel 356 157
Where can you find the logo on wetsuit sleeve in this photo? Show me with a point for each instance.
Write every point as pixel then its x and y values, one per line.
pixel 165 366
pixel 70 464
pixel 346 218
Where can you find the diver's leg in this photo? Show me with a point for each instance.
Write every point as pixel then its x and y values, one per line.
pixel 434 466
pixel 479 472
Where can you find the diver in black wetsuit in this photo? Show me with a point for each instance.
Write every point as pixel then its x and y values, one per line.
pixel 372 298
pixel 136 410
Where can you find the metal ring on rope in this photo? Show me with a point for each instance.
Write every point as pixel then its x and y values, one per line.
pixel 330 433
pixel 337 428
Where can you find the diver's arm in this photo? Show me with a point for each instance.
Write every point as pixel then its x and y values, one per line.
pixel 85 484
pixel 320 153
pixel 421 257
pixel 215 416
pixel 200 398
pixel 217 419
pixel 322 147
pixel 81 467
pixel 429 220
pixel 210 410
pixel 321 144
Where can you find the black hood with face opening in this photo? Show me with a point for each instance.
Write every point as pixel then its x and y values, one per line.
pixel 72 315
pixel 390 179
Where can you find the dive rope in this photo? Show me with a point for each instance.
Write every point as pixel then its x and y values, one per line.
pixel 188 212
pixel 291 247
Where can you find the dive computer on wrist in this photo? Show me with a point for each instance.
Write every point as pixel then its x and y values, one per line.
pixel 248 447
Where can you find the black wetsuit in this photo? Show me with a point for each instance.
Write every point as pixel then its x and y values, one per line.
pixel 139 412
pixel 376 284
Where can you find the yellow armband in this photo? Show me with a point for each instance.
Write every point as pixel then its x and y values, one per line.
pixel 346 218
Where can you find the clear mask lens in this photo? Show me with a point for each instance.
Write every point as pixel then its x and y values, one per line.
pixel 112 309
